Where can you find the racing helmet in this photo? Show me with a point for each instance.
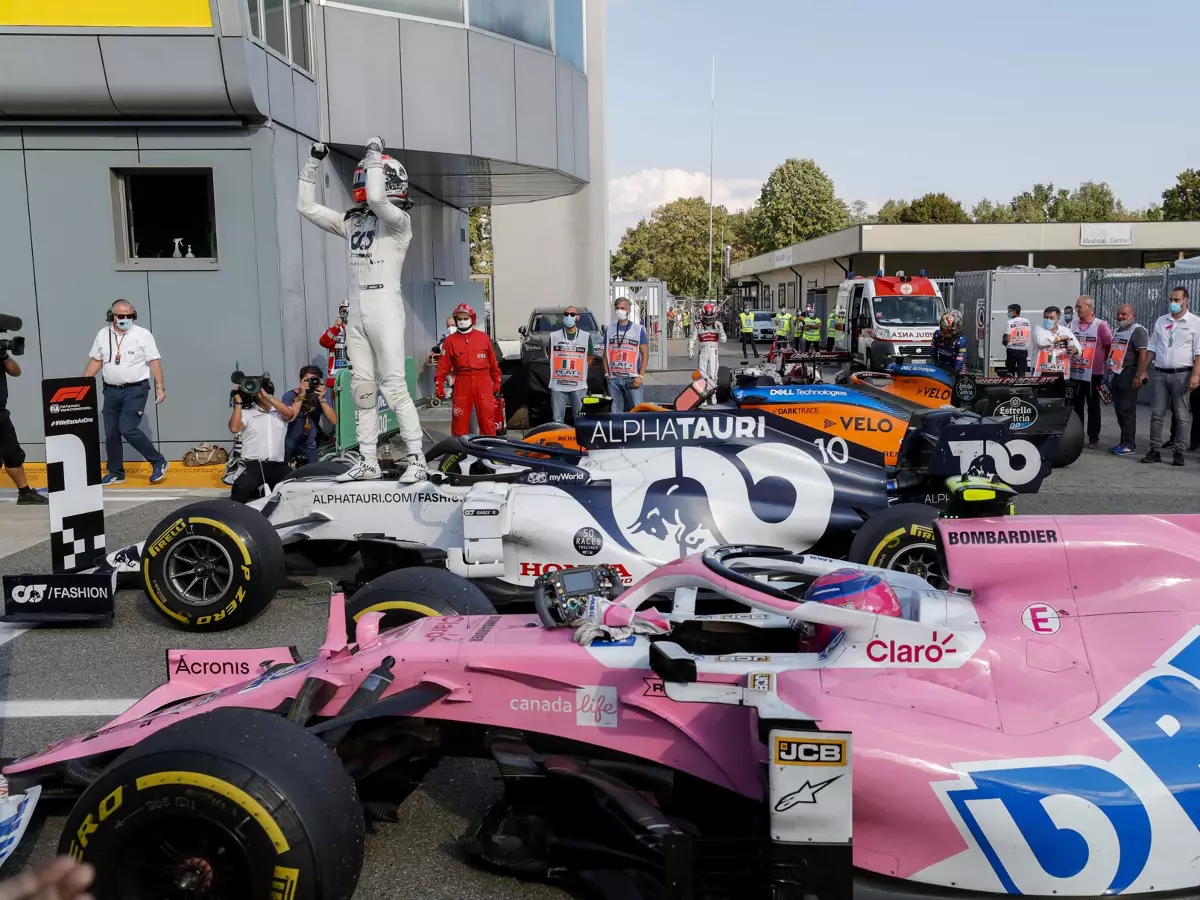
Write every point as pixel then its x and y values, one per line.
pixel 852 589
pixel 708 312
pixel 465 309
pixel 951 321
pixel 395 182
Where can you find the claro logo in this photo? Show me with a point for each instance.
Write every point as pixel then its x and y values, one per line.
pixel 896 652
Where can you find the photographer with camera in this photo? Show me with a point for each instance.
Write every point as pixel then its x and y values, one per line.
pixel 11 454
pixel 262 421
pixel 308 402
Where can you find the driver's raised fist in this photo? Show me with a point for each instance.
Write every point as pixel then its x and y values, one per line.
pixel 318 150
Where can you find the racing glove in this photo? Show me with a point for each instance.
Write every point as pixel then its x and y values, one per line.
pixel 441 390
pixel 318 150
pixel 609 621
pixel 374 157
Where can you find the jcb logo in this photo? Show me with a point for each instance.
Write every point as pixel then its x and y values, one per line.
pixel 797 752
pixel 70 393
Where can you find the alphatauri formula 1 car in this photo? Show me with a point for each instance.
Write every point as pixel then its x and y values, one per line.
pixel 643 489
pixel 843 729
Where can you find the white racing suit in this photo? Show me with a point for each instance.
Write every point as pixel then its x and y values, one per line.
pixel 708 335
pixel 375 327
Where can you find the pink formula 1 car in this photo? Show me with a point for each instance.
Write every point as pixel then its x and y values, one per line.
pixel 1035 731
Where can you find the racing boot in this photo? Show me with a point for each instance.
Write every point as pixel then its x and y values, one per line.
pixel 363 470
pixel 415 469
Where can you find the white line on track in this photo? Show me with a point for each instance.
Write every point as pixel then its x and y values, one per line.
pixel 51 709
pixel 8 631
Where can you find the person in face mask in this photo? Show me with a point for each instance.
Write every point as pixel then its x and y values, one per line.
pixel 127 356
pixel 1087 369
pixel 1174 351
pixel 570 353
pixel 468 356
pixel 1052 344
pixel 626 349
pixel 1068 316
pixel 1125 355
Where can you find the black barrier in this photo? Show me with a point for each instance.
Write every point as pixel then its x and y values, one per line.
pixel 71 418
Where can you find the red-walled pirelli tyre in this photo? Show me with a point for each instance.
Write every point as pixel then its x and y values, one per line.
pixel 235 803
pixel 212 565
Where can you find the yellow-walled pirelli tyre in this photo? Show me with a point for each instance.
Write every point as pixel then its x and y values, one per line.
pixel 416 593
pixel 901 537
pixel 233 803
pixel 212 565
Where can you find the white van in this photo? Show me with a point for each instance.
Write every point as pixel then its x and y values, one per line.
pixel 889 318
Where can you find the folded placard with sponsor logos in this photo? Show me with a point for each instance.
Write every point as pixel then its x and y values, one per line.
pixel 60 599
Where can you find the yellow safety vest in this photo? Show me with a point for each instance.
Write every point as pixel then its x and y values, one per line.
pixel 747 321
pixel 812 328
pixel 785 325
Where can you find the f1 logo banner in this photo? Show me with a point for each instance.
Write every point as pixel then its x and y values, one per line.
pixel 72 423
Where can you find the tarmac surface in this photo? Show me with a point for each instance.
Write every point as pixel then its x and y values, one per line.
pixel 59 681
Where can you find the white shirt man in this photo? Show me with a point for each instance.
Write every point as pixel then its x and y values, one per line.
pixel 263 427
pixel 127 357
pixel 1052 343
pixel 1174 351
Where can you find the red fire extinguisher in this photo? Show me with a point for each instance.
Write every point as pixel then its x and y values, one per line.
pixel 501 415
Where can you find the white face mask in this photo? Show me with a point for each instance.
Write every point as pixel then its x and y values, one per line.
pixel 463 324
pixel 622 315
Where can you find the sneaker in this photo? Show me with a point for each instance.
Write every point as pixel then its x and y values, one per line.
pixel 416 470
pixel 1152 457
pixel 1122 450
pixel 113 478
pixel 1178 459
pixel 361 471
pixel 30 497
pixel 1093 443
pixel 159 472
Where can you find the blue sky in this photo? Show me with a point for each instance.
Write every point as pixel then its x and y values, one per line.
pixel 894 99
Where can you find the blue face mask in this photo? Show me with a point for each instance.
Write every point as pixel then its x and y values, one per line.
pixel 1048 323
pixel 569 321
pixel 1176 308
pixel 124 324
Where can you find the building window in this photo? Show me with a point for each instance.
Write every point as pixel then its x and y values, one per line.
pixel 166 218
pixel 522 20
pixel 568 32
pixel 275 25
pixel 298 34
pixel 283 25
pixel 441 10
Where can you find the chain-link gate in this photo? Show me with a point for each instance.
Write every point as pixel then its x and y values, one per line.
pixel 971 288
pixel 649 302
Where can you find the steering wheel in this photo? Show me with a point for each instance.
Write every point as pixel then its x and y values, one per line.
pixel 872 379
pixel 555 613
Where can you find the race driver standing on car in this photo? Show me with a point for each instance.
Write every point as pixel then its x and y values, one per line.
pixel 378 231
pixel 708 335
pixel 468 355
pixel 949 348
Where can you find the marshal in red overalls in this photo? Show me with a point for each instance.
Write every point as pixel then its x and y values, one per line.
pixel 469 355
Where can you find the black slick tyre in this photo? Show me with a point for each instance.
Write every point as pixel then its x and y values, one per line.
pixel 724 384
pixel 406 595
pixel 233 803
pixel 1070 445
pixel 212 565
pixel 900 537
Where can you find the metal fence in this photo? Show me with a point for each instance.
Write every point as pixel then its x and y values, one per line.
pixel 1146 290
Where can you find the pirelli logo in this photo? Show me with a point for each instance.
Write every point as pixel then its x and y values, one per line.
pixel 161 544
pixel 808 752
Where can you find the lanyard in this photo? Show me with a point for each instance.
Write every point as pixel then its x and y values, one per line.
pixel 115 360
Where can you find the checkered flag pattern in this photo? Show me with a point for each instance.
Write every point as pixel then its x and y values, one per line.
pixel 79 544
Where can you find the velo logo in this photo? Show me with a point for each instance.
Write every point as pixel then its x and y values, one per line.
pixel 71 393
pixel 29 593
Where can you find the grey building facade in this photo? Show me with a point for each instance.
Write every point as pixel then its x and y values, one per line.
pixel 154 157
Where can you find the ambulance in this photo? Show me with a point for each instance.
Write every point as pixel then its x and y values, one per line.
pixel 889 318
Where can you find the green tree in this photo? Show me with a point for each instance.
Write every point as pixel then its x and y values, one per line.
pixel 1036 205
pixel 672 245
pixel 797 203
pixel 934 209
pixel 741 233
pixel 480 236
pixel 859 214
pixel 990 213
pixel 891 213
pixel 1090 202
pixel 1181 201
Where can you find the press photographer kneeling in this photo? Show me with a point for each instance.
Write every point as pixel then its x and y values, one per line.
pixel 262 421
pixel 11 454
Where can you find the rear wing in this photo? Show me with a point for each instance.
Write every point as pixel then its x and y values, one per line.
pixel 1019 459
